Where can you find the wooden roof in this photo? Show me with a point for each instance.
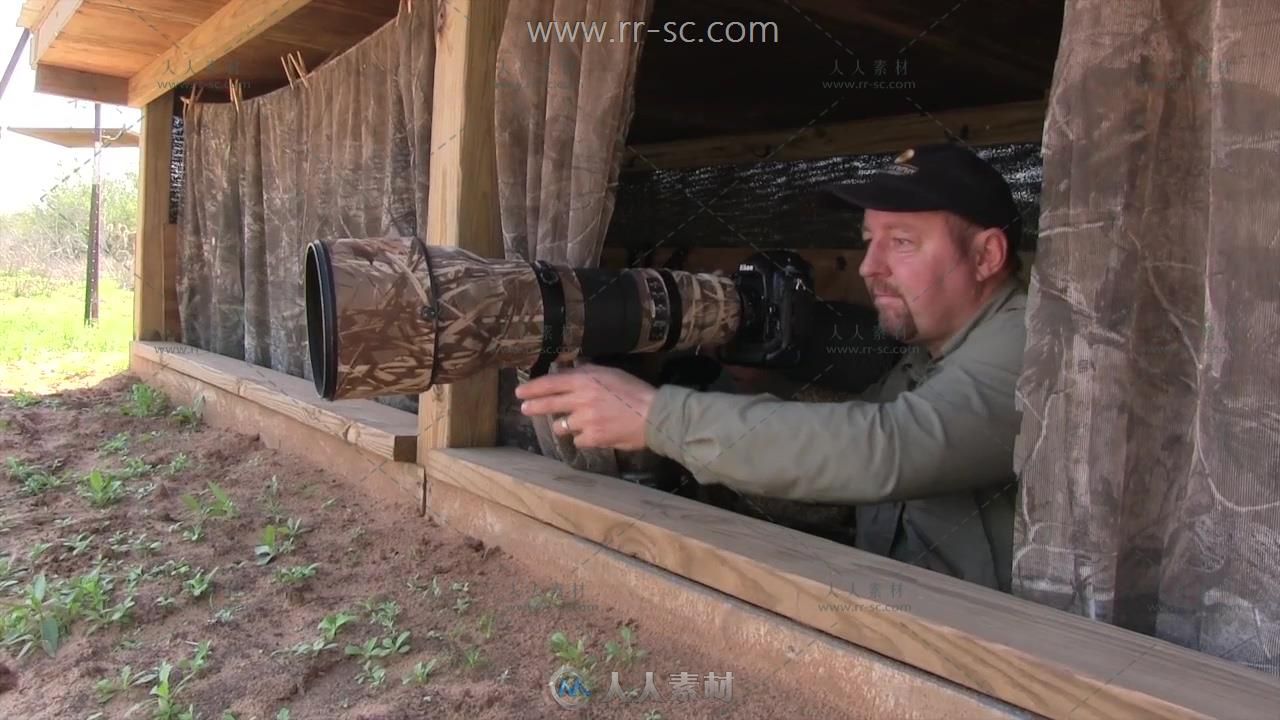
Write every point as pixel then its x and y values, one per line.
pixel 128 52
pixel 930 56
pixel 80 137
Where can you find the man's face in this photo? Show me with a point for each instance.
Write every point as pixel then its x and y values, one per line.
pixel 921 281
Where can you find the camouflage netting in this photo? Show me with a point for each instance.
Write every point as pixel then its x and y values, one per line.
pixel 1150 446
pixel 344 155
pixel 563 109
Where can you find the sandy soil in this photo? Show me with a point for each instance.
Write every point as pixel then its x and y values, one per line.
pixel 456 598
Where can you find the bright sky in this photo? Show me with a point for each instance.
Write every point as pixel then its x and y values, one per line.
pixel 30 167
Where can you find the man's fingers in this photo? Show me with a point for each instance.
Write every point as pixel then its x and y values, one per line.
pixel 562 382
pixel 548 405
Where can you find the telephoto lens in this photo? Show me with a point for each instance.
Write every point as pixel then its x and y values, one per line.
pixel 391 316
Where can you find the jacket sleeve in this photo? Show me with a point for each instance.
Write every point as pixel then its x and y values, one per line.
pixel 954 432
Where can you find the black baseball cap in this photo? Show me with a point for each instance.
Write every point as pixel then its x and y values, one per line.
pixel 946 176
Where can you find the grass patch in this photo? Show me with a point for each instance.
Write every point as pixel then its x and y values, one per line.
pixel 42 330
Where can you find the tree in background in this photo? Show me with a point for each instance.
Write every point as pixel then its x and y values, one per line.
pixel 51 239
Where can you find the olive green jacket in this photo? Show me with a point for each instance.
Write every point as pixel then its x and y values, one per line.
pixel 926 455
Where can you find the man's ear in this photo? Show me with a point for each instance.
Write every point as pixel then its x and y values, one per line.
pixel 990 247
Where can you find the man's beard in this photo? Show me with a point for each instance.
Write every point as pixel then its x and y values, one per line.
pixel 895 317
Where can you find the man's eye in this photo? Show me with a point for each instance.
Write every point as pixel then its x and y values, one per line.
pixel 901 241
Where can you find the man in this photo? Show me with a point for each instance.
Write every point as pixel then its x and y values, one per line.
pixel 927 453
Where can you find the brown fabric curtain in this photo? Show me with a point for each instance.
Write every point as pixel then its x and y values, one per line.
pixel 1150 446
pixel 563 108
pixel 344 154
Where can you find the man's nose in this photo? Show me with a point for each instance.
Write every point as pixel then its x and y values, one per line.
pixel 872 264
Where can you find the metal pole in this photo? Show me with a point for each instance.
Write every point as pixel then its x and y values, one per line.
pixel 95 222
pixel 13 61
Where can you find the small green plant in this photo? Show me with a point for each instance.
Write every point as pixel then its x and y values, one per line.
pixel 199 583
pixel 134 468
pixel 108 687
pixel 39 617
pixel 385 614
pixel 297 574
pixel 283 714
pixel 145 401
pixel 572 654
pixel 102 489
pixel 164 694
pixel 117 445
pixel 421 672
pixel 38 550
pixel 24 399
pixel 179 463
pixel 34 479
pixel 379 648
pixel 486 626
pixel 473 658
pixel 166 601
pixel 198 661
pixel 625 652
pixel 10 571
pixel 332 624
pixel 546 599
pixel 372 673
pixel 653 715
pixel 274 543
pixel 314 647
pixel 189 416
pixel 193 533
pixel 461 604
pixel 78 544
pixel 223 616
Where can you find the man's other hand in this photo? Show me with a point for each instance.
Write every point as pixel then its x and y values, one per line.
pixel 601 407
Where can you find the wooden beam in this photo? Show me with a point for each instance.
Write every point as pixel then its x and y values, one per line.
pixel 1034 657
pixel 463 197
pixel 1010 123
pixel 52 24
pixel 400 482
pixel 54 80
pixel 377 428
pixel 149 268
pixel 236 23
pixel 780 652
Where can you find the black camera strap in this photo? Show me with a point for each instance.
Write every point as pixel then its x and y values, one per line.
pixel 554 315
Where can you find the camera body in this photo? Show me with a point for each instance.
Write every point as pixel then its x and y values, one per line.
pixel 776 291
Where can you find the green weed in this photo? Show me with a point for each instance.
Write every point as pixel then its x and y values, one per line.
pixel 33 478
pixel 190 416
pixel 145 401
pixel 421 672
pixel 624 653
pixel 102 489
pixel 297 574
pixel 117 445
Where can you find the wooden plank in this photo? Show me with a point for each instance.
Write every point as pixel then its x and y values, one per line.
pixel 1011 123
pixel 1031 656
pixel 80 137
pixel 462 209
pixel 53 80
pixel 52 24
pixel 238 22
pixel 153 216
pixel 394 481
pixel 763 646
pixel 382 430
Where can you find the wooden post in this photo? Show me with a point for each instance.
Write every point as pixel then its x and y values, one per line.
pixel 149 268
pixel 463 203
pixel 95 224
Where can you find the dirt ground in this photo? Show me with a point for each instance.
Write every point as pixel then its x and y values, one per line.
pixel 232 638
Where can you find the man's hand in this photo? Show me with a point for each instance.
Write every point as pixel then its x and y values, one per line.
pixel 601 407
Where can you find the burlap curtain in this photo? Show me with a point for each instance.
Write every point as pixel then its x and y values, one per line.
pixel 344 153
pixel 1150 446
pixel 562 111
